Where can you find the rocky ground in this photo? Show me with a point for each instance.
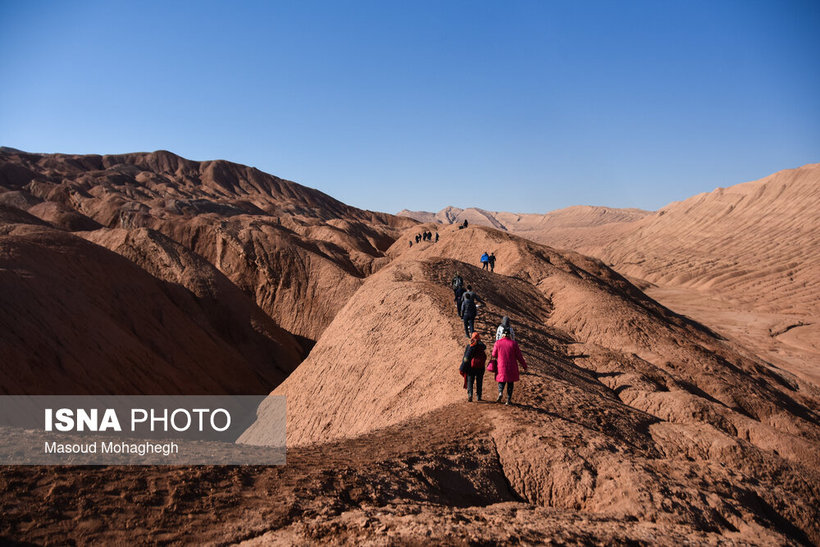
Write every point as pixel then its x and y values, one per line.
pixel 635 423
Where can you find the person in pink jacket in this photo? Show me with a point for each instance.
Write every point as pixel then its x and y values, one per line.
pixel 507 353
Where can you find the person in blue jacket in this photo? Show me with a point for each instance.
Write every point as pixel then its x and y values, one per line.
pixel 485 261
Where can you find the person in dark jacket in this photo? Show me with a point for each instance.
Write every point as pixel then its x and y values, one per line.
pixel 457 282
pixel 458 291
pixel 477 299
pixel 468 313
pixel 459 298
pixel 472 365
pixel 492 262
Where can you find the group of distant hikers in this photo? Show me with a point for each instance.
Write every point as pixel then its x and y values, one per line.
pixel 505 355
pixel 424 236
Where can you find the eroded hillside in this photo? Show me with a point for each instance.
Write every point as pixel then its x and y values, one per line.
pixel 633 423
pixel 285 244
pixel 80 319
pixel 743 259
pixel 625 403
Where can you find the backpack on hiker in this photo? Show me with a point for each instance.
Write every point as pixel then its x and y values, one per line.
pixel 478 360
pixel 474 359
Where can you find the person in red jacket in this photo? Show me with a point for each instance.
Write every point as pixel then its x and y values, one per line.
pixel 508 355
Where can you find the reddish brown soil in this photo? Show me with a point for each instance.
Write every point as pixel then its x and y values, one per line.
pixel 437 478
pixel 633 424
pixel 286 245
pixel 79 319
pixel 626 404
pixel 744 259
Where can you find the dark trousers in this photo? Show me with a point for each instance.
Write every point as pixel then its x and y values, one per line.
pixel 479 381
pixel 485 265
pixel 468 326
pixel 509 389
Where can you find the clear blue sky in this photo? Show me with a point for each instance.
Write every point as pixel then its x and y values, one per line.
pixel 522 106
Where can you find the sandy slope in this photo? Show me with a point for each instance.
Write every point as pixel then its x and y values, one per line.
pixel 634 423
pixel 626 401
pixel 781 339
pixel 747 258
pixel 751 250
pixel 79 319
pixel 214 231
pixel 756 243
pixel 285 244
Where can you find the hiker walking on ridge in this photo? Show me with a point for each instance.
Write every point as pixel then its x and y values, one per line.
pixel 458 291
pixel 485 261
pixel 459 298
pixel 473 295
pixel 472 365
pixel 492 262
pixel 505 325
pixel 457 282
pixel 469 311
pixel 508 355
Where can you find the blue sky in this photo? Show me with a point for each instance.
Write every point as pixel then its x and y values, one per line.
pixel 524 106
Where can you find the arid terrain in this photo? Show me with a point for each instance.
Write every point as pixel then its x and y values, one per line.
pixel 646 415
pixel 744 260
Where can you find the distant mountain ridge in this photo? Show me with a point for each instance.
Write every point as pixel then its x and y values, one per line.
pixel 578 216
pixel 743 241
pixel 236 249
pixel 184 185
